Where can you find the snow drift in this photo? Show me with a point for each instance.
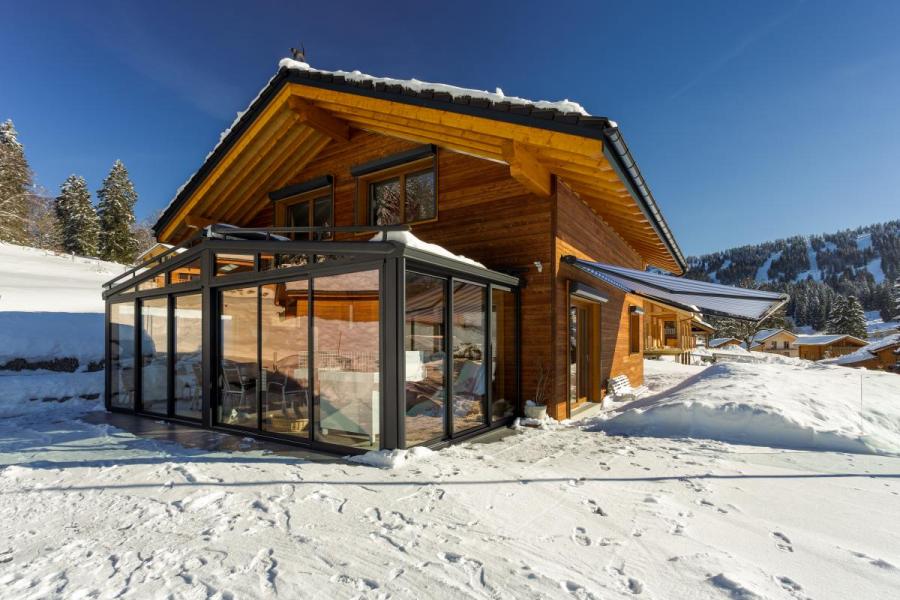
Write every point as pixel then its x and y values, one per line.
pixel 777 404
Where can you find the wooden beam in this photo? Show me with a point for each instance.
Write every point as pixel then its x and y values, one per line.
pixel 197 221
pixel 312 116
pixel 526 168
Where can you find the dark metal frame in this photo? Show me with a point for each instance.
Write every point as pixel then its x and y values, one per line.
pixel 392 259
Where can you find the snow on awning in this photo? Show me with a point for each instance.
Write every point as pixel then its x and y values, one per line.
pixel 699 296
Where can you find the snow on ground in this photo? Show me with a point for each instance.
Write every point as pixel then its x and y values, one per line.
pixel 875 324
pixel 33 280
pixel 785 404
pixel 87 510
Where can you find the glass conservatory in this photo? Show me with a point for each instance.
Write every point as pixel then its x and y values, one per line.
pixel 339 345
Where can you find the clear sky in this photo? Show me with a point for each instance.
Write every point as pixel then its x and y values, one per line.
pixel 751 120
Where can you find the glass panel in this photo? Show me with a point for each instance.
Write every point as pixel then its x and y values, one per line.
pixel 285 357
pixel 322 217
pixel 154 354
pixel 573 354
pixel 468 356
pixel 385 199
pixel 186 272
pixel 155 282
pixel 121 348
pixel 229 264
pixel 346 360
pixel 298 216
pixel 269 261
pixel 188 355
pixel 504 384
pixel 424 335
pixel 420 202
pixel 238 369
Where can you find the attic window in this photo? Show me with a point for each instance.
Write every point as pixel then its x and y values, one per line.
pixel 308 204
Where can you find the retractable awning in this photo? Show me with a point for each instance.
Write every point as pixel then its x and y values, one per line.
pixel 700 296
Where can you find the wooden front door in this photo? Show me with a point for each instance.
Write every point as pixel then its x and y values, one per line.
pixel 581 352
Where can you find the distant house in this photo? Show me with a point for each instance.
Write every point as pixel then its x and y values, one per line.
pixel 817 347
pixel 701 331
pixel 726 342
pixel 883 355
pixel 775 341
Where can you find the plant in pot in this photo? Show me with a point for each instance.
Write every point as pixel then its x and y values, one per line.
pixel 537 407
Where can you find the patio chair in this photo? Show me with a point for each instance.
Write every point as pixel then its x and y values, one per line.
pixel 289 388
pixel 235 389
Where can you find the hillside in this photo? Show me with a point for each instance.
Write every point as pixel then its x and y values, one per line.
pixel 861 262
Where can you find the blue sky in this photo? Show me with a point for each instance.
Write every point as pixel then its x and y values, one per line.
pixel 750 121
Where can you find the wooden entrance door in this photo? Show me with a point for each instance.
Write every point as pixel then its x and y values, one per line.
pixel 581 352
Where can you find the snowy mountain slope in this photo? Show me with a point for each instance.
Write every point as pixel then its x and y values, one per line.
pixel 872 251
pixel 90 511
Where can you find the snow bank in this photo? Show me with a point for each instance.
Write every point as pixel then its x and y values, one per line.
pixel 22 394
pixel 406 237
pixel 780 404
pixel 41 336
pixel 391 459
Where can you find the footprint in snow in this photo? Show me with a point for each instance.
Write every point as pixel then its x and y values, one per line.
pixel 782 542
pixel 580 537
pixel 596 508
pixel 875 562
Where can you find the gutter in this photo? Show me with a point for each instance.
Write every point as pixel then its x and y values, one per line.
pixel 620 157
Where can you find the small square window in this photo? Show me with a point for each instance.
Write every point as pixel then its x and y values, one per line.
pixel 402 195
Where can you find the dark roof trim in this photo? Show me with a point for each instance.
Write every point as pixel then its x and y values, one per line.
pixel 623 162
pixel 393 160
pixel 300 188
pixel 599 128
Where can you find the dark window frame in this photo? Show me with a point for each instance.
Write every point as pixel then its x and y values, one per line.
pixel 284 206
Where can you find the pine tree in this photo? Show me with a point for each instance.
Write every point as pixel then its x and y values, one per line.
pixel 78 224
pixel 836 315
pixel 116 212
pixel 895 294
pixel 43 225
pixel 15 181
pixel 856 319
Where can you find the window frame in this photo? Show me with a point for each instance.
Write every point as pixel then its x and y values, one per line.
pixel 283 208
pixel 366 182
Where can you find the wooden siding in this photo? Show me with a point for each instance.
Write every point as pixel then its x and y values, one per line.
pixel 579 231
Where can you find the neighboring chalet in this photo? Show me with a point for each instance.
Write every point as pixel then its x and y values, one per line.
pixel 725 343
pixel 883 355
pixel 775 341
pixel 367 263
pixel 817 347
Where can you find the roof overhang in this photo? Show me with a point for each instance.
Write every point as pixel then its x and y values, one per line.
pixel 709 298
pixel 301 111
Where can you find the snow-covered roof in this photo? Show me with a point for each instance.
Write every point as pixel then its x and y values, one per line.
pixel 716 342
pixel 407 238
pixel 824 339
pixel 765 334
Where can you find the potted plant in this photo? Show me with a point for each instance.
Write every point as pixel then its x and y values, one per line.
pixel 537 408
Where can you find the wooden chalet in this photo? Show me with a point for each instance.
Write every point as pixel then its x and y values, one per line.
pixel 775 341
pixel 367 263
pixel 817 347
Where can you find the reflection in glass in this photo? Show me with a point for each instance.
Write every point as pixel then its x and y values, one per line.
pixel 420 199
pixel 346 359
pixel 385 202
pixel 504 389
pixel 186 272
pixel 154 354
pixel 238 369
pixel 269 261
pixel 121 354
pixel 285 357
pixel 468 356
pixel 424 342
pixel 155 282
pixel 188 355
pixel 229 264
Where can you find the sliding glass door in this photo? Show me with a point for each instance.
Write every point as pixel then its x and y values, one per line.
pixel 238 366
pixel 187 364
pixel 424 335
pixel 155 354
